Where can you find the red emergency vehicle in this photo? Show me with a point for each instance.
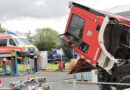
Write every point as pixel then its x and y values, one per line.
pixel 102 41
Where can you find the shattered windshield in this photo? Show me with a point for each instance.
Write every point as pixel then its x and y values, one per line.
pixel 22 41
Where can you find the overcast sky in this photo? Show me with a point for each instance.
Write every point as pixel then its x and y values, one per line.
pixel 25 15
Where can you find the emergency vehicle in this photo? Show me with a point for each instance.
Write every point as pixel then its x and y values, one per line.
pixel 16 41
pixel 102 41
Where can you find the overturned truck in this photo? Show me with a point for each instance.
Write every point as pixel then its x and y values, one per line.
pixel 102 41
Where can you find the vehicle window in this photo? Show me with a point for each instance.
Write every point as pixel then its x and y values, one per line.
pixel 11 42
pixel 76 26
pixel 3 42
pixel 75 31
pixel 22 41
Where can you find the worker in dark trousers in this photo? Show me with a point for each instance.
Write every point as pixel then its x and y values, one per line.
pixel 4 64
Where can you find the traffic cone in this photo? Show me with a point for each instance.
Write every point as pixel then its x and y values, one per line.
pixel 1 85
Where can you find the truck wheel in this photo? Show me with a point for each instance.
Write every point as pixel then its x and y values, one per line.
pixel 105 87
pixel 103 76
pixel 125 79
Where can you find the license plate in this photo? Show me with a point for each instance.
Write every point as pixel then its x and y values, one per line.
pixel 31 53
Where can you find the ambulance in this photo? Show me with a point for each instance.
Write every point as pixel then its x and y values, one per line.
pixel 16 41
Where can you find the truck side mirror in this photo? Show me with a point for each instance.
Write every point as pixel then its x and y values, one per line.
pixel 66 42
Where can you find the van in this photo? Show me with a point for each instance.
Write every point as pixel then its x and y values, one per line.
pixel 16 41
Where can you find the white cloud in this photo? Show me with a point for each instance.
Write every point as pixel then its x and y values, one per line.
pixel 10 9
pixel 26 24
pixel 102 4
pixel 39 2
pixel 24 15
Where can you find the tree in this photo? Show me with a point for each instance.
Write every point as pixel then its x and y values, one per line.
pixel 46 39
pixel 29 36
pixel 66 50
pixel 2 30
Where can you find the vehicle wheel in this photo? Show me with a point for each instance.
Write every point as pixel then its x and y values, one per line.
pixel 125 79
pixel 105 87
pixel 103 76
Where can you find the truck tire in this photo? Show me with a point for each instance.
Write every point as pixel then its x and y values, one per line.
pixel 103 76
pixel 125 79
pixel 105 87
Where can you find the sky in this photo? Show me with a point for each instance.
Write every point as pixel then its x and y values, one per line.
pixel 29 15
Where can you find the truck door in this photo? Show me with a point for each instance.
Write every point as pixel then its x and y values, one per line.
pixel 82 29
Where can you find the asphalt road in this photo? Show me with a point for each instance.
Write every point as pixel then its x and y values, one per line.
pixel 51 77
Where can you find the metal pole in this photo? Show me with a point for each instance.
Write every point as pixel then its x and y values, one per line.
pixel 16 67
pixel 35 64
pixel 73 53
pixel 61 54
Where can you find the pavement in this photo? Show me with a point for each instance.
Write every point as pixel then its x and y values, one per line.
pixel 56 77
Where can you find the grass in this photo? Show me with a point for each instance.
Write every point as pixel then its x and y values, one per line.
pixel 52 67
pixel 21 67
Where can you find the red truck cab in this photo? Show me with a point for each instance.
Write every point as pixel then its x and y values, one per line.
pixel 83 29
pixel 102 41
pixel 91 32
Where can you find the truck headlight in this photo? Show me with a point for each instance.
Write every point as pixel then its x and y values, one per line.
pixel 25 49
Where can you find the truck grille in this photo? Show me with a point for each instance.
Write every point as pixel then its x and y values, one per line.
pixel 31 50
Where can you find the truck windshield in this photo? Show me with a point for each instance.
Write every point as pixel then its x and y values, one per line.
pixel 76 26
pixel 75 32
pixel 22 41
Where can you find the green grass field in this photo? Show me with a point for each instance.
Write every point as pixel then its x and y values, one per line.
pixel 21 67
pixel 52 67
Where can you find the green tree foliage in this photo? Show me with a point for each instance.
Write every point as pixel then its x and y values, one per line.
pixel 46 39
pixel 2 30
pixel 66 50
pixel 29 36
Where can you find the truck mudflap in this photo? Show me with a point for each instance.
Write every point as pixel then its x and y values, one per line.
pixel 81 67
